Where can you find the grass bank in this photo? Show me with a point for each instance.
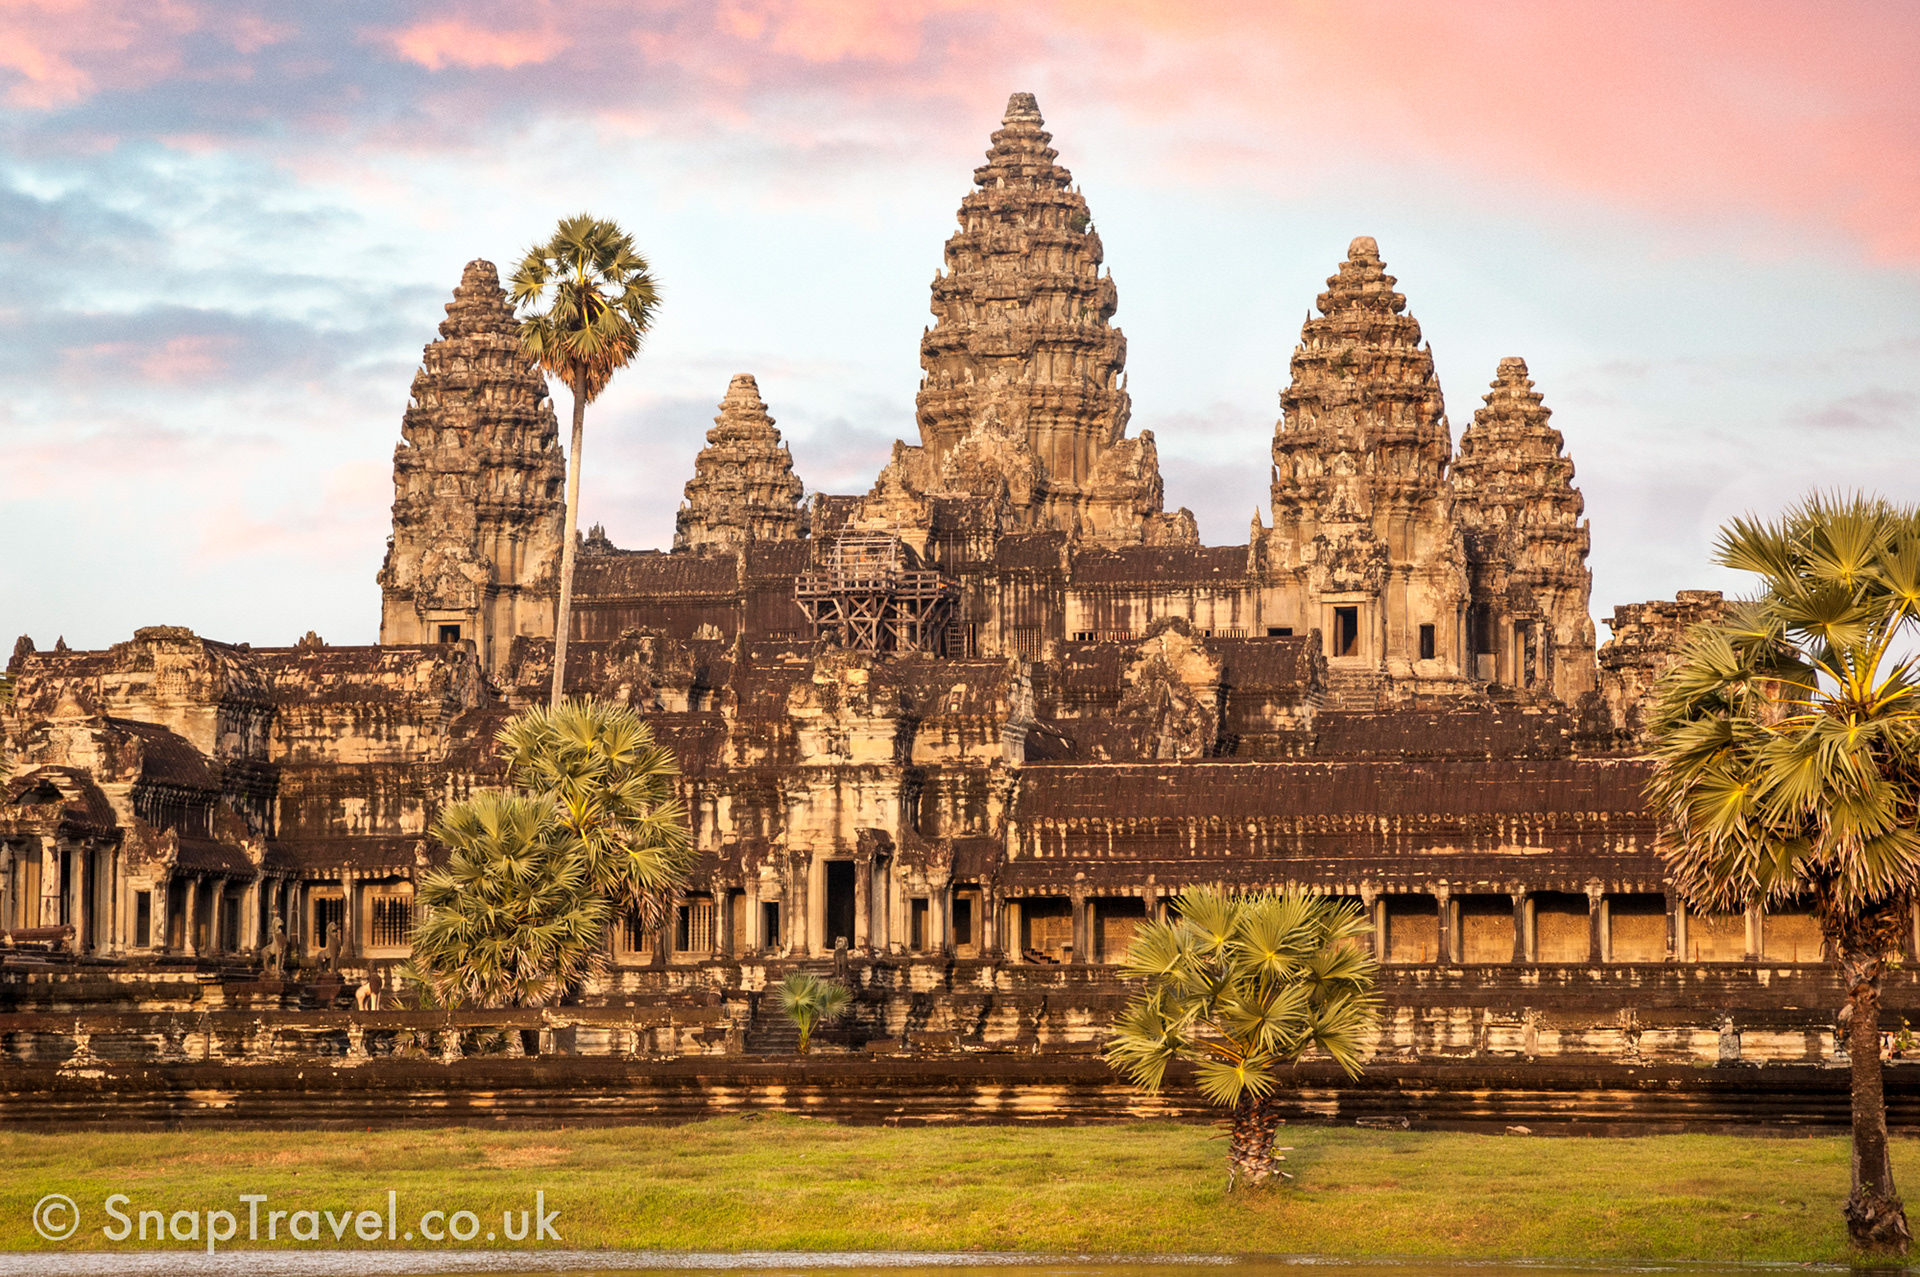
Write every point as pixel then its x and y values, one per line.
pixel 791 1183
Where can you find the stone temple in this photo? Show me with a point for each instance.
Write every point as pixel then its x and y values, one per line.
pixel 973 725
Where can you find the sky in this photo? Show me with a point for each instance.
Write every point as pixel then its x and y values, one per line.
pixel 226 231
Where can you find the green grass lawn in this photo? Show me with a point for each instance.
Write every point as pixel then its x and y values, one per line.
pixel 792 1183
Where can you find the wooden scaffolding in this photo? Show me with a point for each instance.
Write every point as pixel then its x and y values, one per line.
pixel 870 592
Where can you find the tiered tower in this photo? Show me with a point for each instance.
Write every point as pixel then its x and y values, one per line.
pixel 743 487
pixel 1022 350
pixel 1526 544
pixel 479 503
pixel 1362 517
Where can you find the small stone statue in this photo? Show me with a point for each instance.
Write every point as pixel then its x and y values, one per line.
pixel 840 955
pixel 273 958
pixel 330 951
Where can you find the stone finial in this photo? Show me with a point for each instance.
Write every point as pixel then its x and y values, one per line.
pixel 22 649
pixel 1364 248
pixel 743 487
pixel 60 644
pixel 1022 107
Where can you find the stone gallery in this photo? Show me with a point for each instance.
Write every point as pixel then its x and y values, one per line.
pixel 961 734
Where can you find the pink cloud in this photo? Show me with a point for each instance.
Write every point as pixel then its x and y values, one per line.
pixel 173 361
pixel 455 42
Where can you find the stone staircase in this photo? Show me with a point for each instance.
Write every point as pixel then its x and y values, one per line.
pixel 1352 691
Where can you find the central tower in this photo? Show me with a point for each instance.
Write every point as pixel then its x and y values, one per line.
pixel 1023 367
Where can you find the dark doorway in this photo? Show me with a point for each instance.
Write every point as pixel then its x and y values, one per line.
pixel 839 902
pixel 449 634
pixel 770 925
pixel 1427 644
pixel 1346 631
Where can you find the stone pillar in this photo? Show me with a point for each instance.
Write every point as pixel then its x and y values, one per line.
pixel 1676 927
pixel 50 886
pixel 350 924
pixel 990 921
pixel 1520 950
pixel 1755 940
pixel 862 902
pixel 940 909
pixel 250 937
pixel 1596 923
pixel 798 893
pixel 1082 911
pixel 1381 939
pixel 190 918
pixel 1370 901
pixel 1016 948
pixel 755 940
pixel 1443 925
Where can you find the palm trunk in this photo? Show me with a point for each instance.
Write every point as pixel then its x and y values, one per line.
pixel 566 552
pixel 1876 1218
pixel 1250 1148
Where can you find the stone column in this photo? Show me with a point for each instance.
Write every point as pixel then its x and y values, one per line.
pixel 1016 949
pixel 1443 925
pixel 250 938
pixel 1520 903
pixel 1755 940
pixel 50 886
pixel 755 940
pixel 1676 927
pixel 1369 901
pixel 862 902
pixel 1082 941
pixel 350 924
pixel 1381 940
pixel 940 906
pixel 190 918
pixel 723 922
pixel 1596 923
pixel 990 921
pixel 800 870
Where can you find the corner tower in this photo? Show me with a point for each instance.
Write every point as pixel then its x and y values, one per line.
pixel 1528 621
pixel 478 504
pixel 1362 514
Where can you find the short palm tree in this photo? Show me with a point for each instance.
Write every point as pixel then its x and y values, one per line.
pixel 518 913
pixel 1239 986
pixel 810 1001
pixel 587 299
pixel 611 785
pixel 511 920
pixel 1787 767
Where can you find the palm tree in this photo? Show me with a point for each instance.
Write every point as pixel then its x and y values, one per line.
pixel 587 299
pixel 611 785
pixel 1238 985
pixel 1787 767
pixel 518 913
pixel 511 920
pixel 808 1001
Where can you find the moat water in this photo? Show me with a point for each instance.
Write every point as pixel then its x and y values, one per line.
pixel 256 1263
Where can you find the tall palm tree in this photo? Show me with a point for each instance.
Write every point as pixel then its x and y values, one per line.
pixel 611 786
pixel 1238 986
pixel 511 920
pixel 1787 767
pixel 587 299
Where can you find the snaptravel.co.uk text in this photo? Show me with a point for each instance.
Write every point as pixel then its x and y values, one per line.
pixel 254 1218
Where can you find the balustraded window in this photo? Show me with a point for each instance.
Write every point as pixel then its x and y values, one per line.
pixel 390 921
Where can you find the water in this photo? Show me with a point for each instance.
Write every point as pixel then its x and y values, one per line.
pixel 257 1263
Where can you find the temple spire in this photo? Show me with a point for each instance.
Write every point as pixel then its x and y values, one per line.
pixel 743 487
pixel 1022 350
pixel 1526 543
